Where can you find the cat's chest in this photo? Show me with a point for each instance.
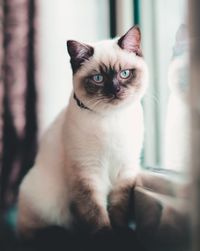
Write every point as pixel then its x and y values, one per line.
pixel 107 151
pixel 113 141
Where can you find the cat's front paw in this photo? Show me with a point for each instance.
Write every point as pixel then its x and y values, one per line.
pixel 120 204
pixel 90 218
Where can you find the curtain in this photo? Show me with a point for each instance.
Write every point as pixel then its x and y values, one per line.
pixel 18 96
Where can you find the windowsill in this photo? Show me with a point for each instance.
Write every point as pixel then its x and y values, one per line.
pixel 161 211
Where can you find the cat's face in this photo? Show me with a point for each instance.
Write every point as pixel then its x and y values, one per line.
pixel 109 74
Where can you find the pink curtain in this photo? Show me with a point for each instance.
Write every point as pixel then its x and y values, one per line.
pixel 18 121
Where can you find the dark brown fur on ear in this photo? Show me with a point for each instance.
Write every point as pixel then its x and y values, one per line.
pixel 79 53
pixel 131 41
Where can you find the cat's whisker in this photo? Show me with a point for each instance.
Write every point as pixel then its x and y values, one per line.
pixel 93 102
pixel 152 97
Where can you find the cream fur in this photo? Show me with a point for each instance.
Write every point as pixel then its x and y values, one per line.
pixel 105 144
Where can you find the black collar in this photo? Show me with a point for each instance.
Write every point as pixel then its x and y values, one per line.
pixel 80 104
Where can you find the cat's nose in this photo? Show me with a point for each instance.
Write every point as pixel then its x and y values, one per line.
pixel 115 88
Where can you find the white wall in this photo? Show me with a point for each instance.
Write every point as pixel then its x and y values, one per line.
pixel 58 21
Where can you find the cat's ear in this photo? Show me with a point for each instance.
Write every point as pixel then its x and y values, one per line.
pixel 182 33
pixel 181 40
pixel 131 41
pixel 79 52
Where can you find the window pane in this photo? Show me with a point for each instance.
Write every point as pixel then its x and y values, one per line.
pixel 165 46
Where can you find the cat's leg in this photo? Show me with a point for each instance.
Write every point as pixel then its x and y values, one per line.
pixel 89 207
pixel 121 201
pixel 42 201
pixel 28 219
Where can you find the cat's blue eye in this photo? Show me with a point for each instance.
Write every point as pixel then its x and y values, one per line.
pixel 98 78
pixel 125 74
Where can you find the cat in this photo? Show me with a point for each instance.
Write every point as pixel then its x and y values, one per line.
pixel 176 155
pixel 89 158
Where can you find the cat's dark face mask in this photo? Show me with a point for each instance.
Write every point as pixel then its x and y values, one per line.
pixel 109 83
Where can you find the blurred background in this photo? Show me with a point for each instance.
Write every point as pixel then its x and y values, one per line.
pixel 36 78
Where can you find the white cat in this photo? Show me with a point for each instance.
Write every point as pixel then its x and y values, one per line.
pixel 177 140
pixel 89 157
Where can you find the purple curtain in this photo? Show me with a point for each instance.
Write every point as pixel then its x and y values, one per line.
pixel 18 121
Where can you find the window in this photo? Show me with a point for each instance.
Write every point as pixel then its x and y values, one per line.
pixel 161 23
